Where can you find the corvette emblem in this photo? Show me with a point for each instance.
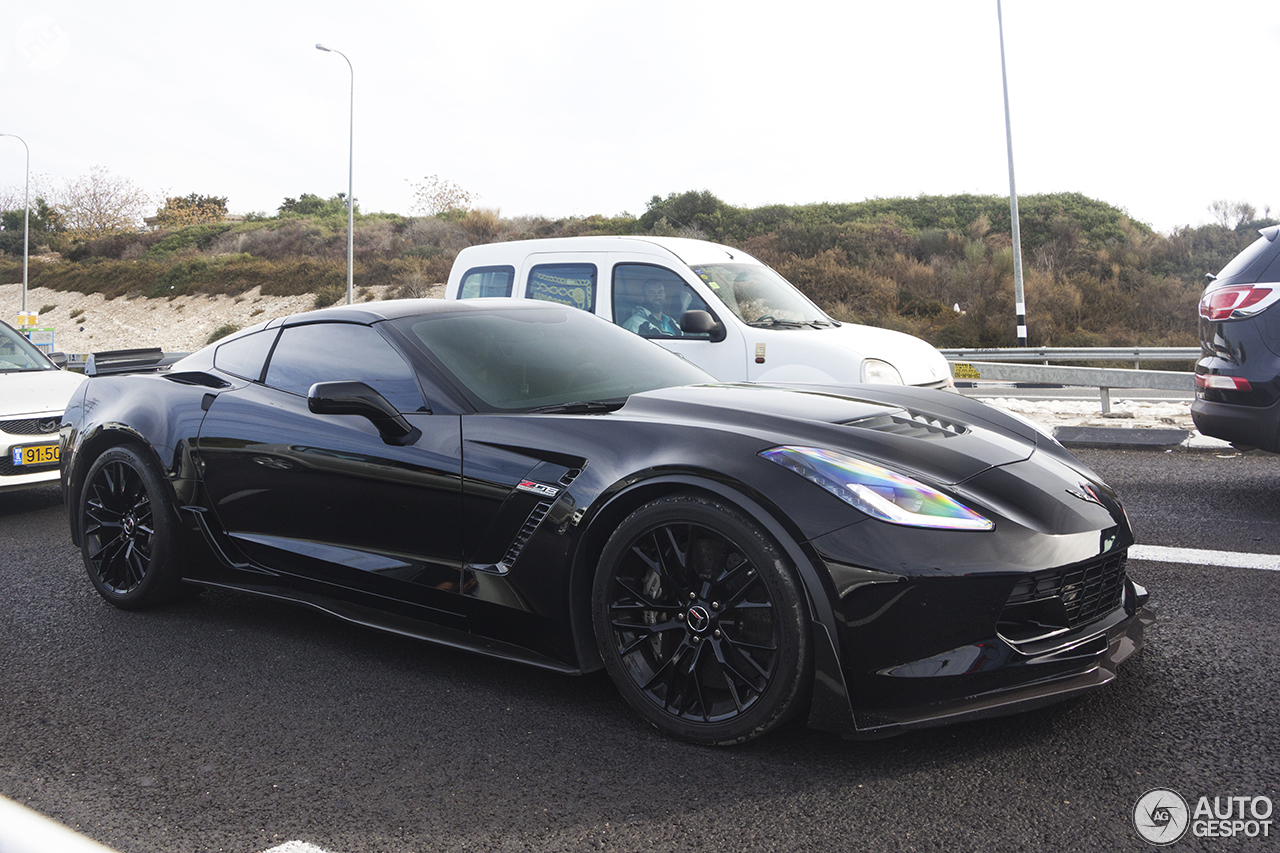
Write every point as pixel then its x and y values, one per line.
pixel 1085 492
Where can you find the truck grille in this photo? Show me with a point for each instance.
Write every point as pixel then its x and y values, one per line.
pixel 46 425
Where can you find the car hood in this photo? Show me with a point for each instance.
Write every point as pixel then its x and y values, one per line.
pixel 34 392
pixel 916 361
pixel 938 435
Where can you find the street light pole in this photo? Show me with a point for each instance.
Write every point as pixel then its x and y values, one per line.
pixel 1020 304
pixel 351 199
pixel 26 217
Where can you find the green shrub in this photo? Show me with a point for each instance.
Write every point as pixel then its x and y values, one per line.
pixel 191 238
pixel 221 332
pixel 330 294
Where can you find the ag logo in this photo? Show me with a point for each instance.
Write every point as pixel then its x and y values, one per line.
pixel 1161 816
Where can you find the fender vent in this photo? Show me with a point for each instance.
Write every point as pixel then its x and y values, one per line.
pixel 909 425
pixel 531 524
pixel 526 533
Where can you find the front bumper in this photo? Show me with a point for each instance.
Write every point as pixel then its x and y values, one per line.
pixel 1091 663
pixel 13 476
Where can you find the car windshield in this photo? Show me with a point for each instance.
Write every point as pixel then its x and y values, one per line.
pixel 546 358
pixel 759 296
pixel 17 354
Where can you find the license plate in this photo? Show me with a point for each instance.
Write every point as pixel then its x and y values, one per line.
pixel 35 454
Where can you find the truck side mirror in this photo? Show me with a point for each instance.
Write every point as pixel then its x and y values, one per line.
pixel 702 323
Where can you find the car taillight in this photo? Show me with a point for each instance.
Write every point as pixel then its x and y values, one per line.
pixel 1222 383
pixel 1236 301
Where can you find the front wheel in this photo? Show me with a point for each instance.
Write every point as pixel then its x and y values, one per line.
pixel 701 621
pixel 130 531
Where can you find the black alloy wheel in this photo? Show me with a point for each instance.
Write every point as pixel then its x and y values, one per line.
pixel 701 622
pixel 130 531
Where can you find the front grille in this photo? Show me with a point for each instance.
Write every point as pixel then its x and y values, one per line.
pixel 8 469
pixel 46 425
pixel 1090 591
pixel 910 425
pixel 1084 592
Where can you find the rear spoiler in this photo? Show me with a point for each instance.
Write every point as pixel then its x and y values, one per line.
pixel 151 360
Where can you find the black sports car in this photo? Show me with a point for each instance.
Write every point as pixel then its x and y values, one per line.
pixel 528 481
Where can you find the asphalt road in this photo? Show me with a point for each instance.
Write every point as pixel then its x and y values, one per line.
pixel 231 724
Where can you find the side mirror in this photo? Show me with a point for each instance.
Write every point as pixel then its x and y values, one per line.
pixel 702 323
pixel 59 359
pixel 357 398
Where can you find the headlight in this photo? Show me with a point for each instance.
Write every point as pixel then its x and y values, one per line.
pixel 875 370
pixel 877 491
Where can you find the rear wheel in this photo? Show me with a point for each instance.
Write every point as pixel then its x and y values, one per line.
pixel 701 622
pixel 130 531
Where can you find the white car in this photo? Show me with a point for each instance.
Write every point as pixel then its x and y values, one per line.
pixel 33 394
pixel 716 305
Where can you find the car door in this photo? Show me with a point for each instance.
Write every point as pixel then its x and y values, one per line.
pixel 324 496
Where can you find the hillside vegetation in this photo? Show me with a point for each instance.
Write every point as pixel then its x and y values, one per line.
pixel 940 267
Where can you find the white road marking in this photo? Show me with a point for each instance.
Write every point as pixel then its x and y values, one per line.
pixel 1231 559
pixel 296 847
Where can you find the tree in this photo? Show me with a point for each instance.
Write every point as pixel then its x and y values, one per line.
pixel 310 204
pixel 434 195
pixel 1232 214
pixel 43 221
pixel 693 213
pixel 101 203
pixel 194 209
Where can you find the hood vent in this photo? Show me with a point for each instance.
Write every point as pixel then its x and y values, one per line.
pixel 909 425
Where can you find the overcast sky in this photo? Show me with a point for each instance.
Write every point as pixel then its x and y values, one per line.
pixel 561 107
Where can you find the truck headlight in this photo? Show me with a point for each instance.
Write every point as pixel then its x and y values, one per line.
pixel 875 370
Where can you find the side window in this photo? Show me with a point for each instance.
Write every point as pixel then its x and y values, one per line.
pixel 333 352
pixel 649 300
pixel 568 284
pixel 487 281
pixel 245 357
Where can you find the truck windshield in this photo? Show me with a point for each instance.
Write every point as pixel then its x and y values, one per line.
pixel 17 354
pixel 759 296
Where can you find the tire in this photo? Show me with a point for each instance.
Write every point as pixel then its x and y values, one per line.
pixel 130 540
pixel 701 621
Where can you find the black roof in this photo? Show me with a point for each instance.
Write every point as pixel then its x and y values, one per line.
pixel 392 309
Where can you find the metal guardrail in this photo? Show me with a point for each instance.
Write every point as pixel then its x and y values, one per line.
pixel 995 364
pixel 1045 355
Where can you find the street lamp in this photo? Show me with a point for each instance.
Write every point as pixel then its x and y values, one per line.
pixel 26 217
pixel 1020 304
pixel 351 199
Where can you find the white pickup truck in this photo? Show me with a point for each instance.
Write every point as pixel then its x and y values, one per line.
pixel 717 306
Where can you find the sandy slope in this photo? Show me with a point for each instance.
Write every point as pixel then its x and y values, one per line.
pixel 85 322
